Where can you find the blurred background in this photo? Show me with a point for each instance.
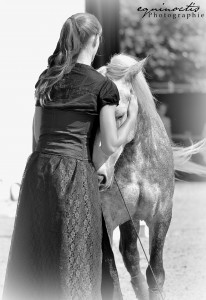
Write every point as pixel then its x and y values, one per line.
pixel 176 51
pixel 175 70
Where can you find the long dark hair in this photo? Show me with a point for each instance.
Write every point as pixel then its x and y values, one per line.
pixel 73 37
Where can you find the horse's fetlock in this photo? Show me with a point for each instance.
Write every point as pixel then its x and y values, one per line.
pixel 155 278
pixel 140 287
pixel 156 294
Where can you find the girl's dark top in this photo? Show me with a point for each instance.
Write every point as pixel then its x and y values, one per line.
pixel 70 120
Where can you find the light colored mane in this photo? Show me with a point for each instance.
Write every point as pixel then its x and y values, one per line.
pixel 125 66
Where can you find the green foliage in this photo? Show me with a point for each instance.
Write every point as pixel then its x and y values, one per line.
pixel 176 47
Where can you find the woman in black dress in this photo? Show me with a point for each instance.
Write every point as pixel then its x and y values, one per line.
pixel 60 247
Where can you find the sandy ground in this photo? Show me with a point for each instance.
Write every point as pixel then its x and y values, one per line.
pixel 184 252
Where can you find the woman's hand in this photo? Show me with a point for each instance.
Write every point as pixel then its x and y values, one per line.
pixel 132 110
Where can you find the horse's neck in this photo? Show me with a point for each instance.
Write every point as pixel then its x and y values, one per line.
pixel 150 129
pixel 149 140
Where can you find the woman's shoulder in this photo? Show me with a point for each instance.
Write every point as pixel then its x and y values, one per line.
pixel 103 81
pixel 96 76
pixel 108 94
pixel 105 89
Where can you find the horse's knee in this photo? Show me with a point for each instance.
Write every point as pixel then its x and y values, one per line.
pixel 125 250
pixel 128 240
pixel 128 249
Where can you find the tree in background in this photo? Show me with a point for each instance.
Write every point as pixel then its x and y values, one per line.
pixel 177 47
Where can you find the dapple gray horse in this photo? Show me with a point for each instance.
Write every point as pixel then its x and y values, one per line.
pixel 144 169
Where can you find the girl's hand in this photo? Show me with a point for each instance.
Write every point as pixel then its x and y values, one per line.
pixel 132 110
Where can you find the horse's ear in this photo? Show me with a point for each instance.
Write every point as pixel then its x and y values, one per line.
pixel 134 70
pixel 102 70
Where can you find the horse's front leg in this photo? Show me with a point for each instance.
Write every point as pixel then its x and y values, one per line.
pixel 157 231
pixel 130 254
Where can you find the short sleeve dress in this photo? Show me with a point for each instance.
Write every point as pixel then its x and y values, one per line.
pixel 60 248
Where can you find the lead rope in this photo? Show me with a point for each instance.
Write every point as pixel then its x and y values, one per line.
pixel 159 290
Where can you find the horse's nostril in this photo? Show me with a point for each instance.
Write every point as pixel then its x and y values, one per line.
pixel 102 179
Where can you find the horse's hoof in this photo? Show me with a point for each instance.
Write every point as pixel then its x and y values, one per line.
pixel 156 295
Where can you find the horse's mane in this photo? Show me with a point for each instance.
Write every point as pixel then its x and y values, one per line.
pixel 119 68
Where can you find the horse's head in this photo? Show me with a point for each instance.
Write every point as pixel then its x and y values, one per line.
pixel 122 70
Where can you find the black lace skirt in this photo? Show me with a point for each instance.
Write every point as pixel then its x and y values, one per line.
pixel 60 248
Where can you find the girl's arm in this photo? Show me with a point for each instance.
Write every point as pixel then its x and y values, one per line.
pixel 111 136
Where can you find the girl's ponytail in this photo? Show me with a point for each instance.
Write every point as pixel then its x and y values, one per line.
pixel 74 34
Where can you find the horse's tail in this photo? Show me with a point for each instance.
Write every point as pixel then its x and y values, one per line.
pixel 182 157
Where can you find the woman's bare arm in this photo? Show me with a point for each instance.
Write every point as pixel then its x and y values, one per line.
pixel 111 136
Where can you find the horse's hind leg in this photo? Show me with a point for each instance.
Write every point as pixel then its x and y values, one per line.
pixel 157 230
pixel 130 254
